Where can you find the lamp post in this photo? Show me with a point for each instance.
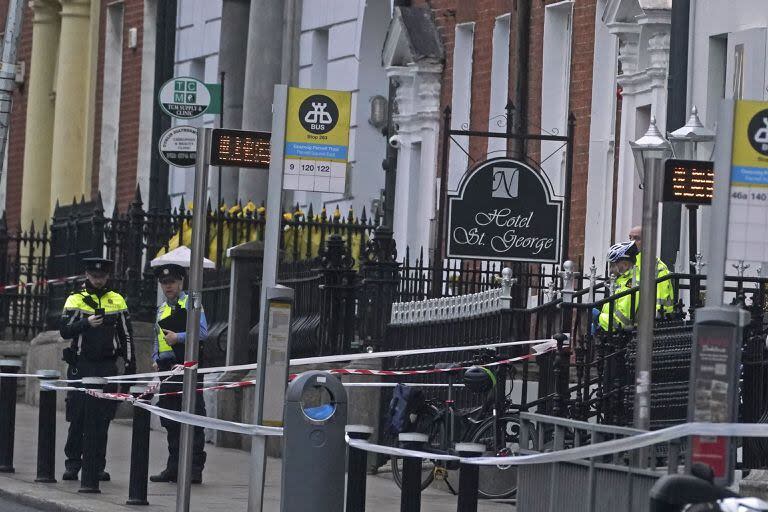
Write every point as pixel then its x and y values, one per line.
pixel 649 151
pixel 685 144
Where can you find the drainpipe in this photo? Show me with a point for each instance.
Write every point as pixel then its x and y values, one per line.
pixel 522 33
pixel 677 112
pixel 8 69
pixel 165 60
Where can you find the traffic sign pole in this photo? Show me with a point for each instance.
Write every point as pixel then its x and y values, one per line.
pixel 268 280
pixel 718 224
pixel 718 328
pixel 191 345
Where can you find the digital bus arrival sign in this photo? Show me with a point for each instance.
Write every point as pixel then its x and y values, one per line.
pixel 688 181
pixel 240 148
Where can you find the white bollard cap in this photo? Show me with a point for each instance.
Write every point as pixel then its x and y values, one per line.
pixel 413 437
pixel 49 374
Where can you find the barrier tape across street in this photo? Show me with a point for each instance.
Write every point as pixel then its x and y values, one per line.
pixel 588 451
pixel 539 346
pixel 40 282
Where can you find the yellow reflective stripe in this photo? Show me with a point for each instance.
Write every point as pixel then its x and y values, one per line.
pixel 622 318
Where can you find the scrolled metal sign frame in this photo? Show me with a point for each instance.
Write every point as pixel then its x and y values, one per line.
pixel 504 209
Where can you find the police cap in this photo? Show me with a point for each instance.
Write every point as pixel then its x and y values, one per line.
pixel 98 265
pixel 170 271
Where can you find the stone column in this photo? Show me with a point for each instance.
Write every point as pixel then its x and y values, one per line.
pixel 247 261
pixel 68 173
pixel 262 71
pixel 36 185
pixel 232 61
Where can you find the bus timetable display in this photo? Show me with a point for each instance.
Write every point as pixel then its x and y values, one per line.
pixel 688 181
pixel 240 148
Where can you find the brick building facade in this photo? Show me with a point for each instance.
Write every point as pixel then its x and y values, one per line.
pixel 483 16
pixel 15 147
pixel 128 15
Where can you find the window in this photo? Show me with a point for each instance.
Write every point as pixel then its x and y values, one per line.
pixel 320 59
pixel 555 88
pixel 110 118
pixel 462 99
pixel 499 83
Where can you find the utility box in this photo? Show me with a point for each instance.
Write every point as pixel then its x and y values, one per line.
pixel 714 385
pixel 314 446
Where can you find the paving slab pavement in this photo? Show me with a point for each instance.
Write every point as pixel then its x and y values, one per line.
pixel 224 488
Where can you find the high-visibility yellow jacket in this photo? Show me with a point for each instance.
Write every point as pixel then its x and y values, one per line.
pixel 622 308
pixel 665 293
pixel 112 339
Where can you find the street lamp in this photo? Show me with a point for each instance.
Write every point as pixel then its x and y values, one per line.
pixel 649 151
pixel 685 144
pixel 686 139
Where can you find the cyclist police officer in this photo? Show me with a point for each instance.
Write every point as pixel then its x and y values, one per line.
pixel 97 322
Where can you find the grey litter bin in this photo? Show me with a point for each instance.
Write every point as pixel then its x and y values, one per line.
pixel 314 448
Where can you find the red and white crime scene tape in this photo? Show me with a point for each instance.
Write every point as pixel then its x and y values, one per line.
pixel 40 282
pixel 539 347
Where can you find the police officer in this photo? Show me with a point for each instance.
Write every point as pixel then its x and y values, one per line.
pixel 97 322
pixel 665 293
pixel 621 257
pixel 169 351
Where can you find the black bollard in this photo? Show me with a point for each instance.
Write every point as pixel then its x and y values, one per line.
pixel 46 430
pixel 410 497
pixel 93 435
pixel 357 469
pixel 469 477
pixel 8 386
pixel 137 484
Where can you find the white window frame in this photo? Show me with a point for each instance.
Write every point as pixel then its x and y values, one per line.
pixel 499 83
pixel 461 103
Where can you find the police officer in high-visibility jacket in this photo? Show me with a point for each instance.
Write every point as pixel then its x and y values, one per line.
pixel 97 321
pixel 621 258
pixel 168 352
pixel 665 293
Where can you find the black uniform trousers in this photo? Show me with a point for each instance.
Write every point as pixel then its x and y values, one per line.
pixel 75 412
pixel 173 428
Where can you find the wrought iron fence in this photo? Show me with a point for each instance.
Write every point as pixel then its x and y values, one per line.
pixel 23 298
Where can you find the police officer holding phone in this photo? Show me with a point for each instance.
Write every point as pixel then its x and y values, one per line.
pixel 169 350
pixel 97 322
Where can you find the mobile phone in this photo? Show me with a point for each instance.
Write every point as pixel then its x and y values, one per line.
pixel 99 312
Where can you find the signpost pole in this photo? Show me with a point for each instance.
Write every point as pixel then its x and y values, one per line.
pixel 718 224
pixel 269 279
pixel 193 318
pixel 437 271
pixel 647 312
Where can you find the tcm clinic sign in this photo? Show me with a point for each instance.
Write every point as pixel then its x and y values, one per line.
pixel 505 210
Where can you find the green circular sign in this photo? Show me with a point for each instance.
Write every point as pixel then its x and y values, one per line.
pixel 184 97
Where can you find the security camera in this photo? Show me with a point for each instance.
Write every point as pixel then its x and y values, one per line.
pixel 395 141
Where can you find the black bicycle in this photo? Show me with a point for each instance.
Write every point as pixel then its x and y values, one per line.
pixel 500 433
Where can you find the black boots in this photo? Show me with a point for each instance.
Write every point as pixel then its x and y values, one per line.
pixel 71 474
pixel 163 476
pixel 167 476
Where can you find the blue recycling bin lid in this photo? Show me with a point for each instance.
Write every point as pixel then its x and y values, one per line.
pixel 320 413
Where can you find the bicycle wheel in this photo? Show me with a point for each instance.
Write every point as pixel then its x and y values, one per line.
pixel 498 482
pixel 432 424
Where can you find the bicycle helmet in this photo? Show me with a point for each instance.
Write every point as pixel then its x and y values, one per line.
pixel 622 251
pixel 479 379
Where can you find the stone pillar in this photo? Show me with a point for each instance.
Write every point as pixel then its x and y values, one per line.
pixel 232 57
pixel 68 172
pixel 262 71
pixel 247 260
pixel 36 184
